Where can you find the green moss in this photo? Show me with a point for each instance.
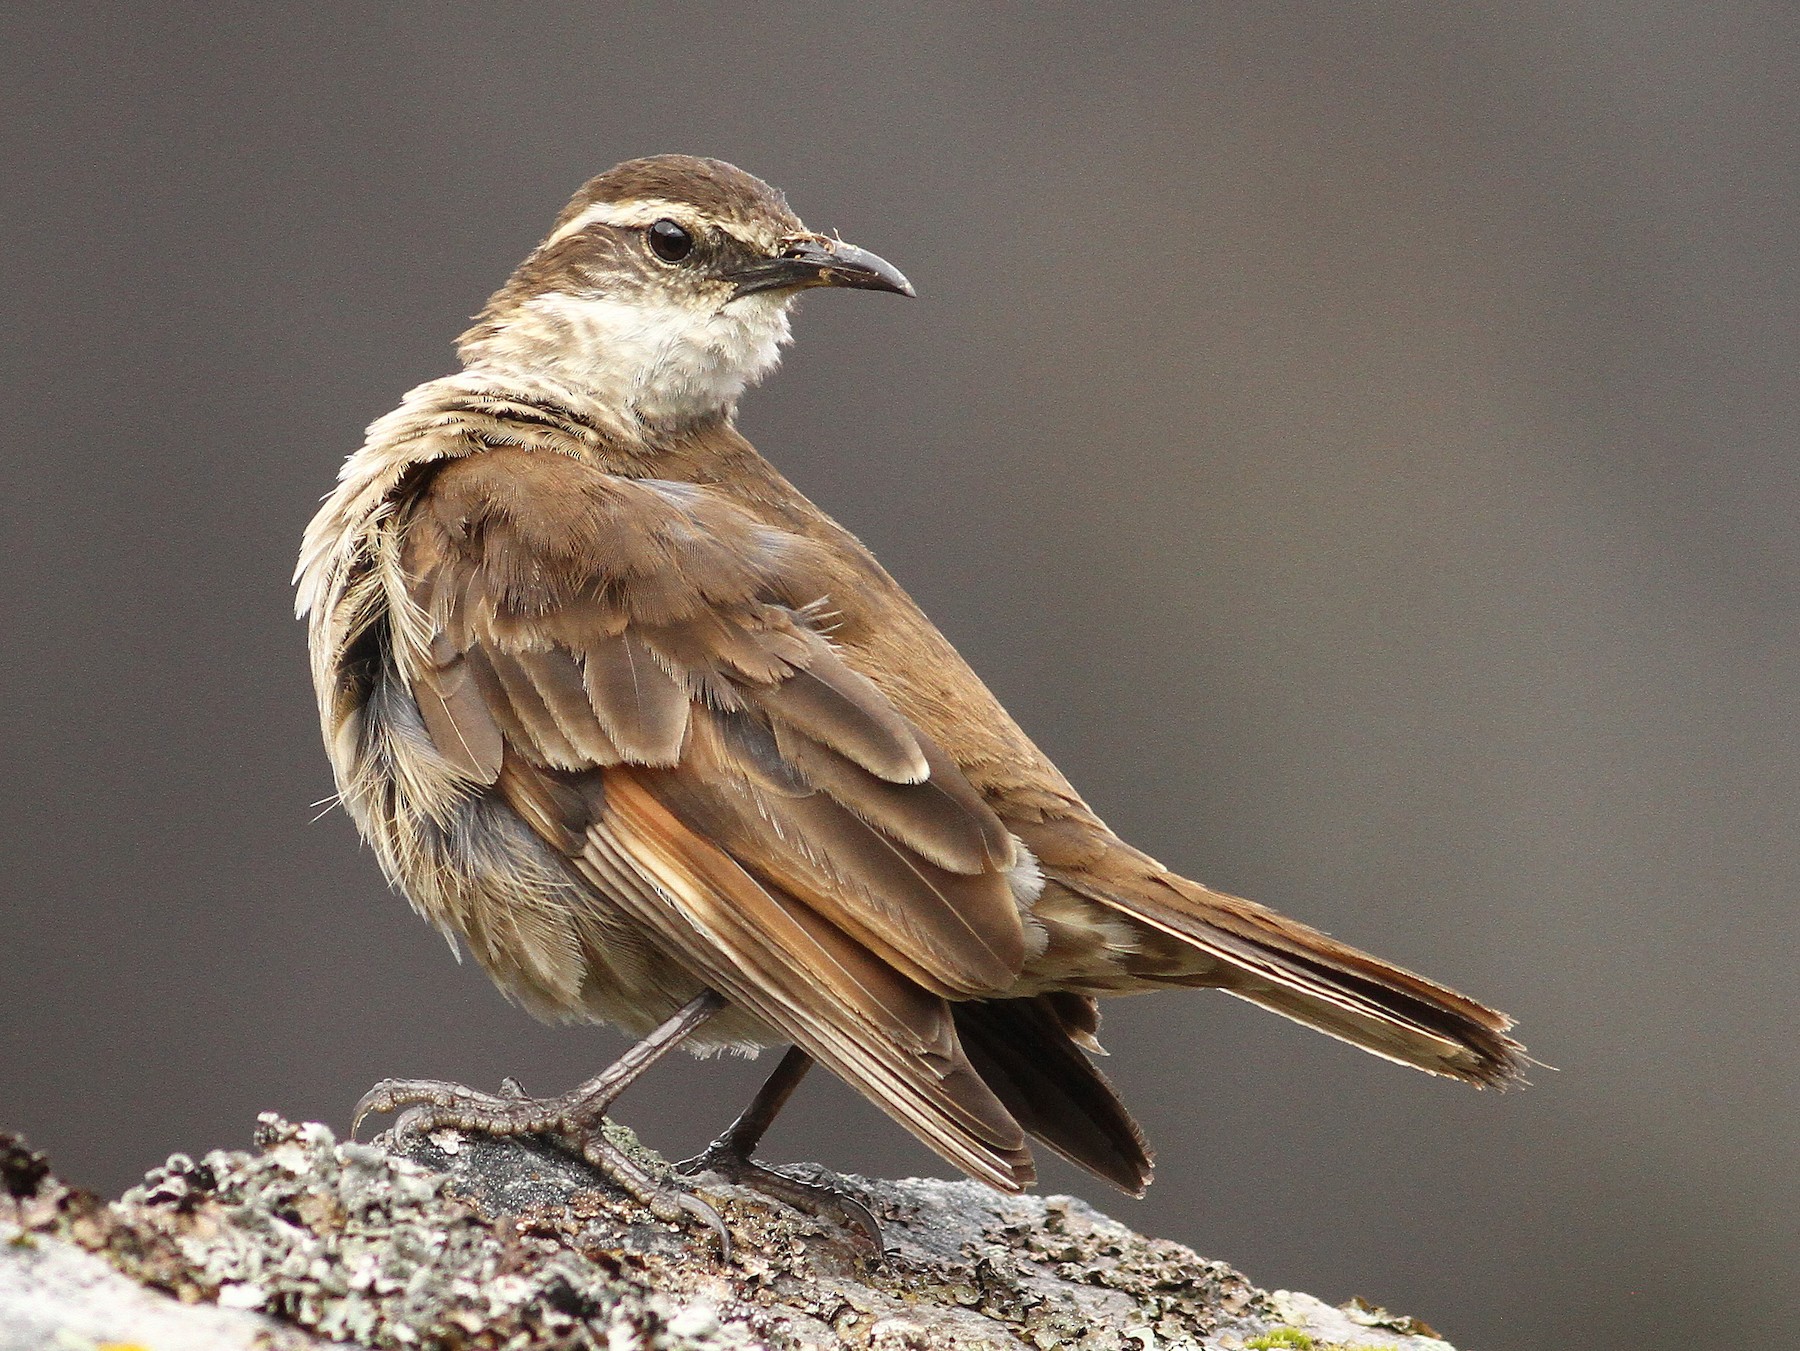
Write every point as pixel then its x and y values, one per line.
pixel 1293 1339
pixel 1281 1339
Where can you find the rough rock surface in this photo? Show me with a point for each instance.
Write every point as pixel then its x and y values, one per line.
pixel 459 1241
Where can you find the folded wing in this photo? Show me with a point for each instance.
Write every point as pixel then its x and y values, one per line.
pixel 639 668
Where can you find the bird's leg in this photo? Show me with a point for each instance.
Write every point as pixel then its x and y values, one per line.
pixel 576 1118
pixel 740 1139
pixel 729 1155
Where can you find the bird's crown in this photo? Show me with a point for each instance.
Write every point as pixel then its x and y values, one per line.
pixel 706 190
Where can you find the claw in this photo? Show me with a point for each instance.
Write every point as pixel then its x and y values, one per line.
pixel 809 1197
pixel 377 1099
pixel 417 1094
pixel 863 1220
pixel 710 1217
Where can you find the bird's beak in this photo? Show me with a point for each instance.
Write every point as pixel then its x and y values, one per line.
pixel 814 260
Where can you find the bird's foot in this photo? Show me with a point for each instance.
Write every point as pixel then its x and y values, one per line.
pixel 576 1120
pixel 813 1198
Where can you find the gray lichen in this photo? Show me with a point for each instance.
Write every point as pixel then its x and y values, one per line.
pixel 455 1242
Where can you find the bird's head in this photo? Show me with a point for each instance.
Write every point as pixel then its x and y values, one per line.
pixel 663 290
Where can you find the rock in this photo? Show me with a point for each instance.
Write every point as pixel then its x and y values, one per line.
pixel 461 1241
pixel 55 1294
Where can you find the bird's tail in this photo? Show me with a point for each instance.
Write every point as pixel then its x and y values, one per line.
pixel 1300 973
pixel 1030 1052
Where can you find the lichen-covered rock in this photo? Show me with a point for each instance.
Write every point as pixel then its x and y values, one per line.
pixel 56 1295
pixel 461 1241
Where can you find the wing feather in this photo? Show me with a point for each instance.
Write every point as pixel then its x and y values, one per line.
pixel 942 818
pixel 458 720
pixel 558 681
pixel 544 739
pixel 643 709
pixel 838 708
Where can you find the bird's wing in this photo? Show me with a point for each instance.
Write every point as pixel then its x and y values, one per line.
pixel 641 668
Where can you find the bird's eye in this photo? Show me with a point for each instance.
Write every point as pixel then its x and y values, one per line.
pixel 669 242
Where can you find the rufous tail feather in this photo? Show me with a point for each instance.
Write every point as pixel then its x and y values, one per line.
pixel 1296 971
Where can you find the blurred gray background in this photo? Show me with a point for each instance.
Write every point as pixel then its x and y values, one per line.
pixel 1356 440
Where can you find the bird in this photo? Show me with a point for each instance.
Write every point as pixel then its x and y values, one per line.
pixel 665 747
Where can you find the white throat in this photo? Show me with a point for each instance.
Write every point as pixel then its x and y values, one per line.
pixel 657 360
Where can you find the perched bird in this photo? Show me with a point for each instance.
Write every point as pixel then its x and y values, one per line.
pixel 662 743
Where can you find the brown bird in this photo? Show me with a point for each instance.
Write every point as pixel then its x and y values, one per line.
pixel 663 744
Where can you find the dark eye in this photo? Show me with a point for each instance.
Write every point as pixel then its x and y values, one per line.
pixel 669 242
